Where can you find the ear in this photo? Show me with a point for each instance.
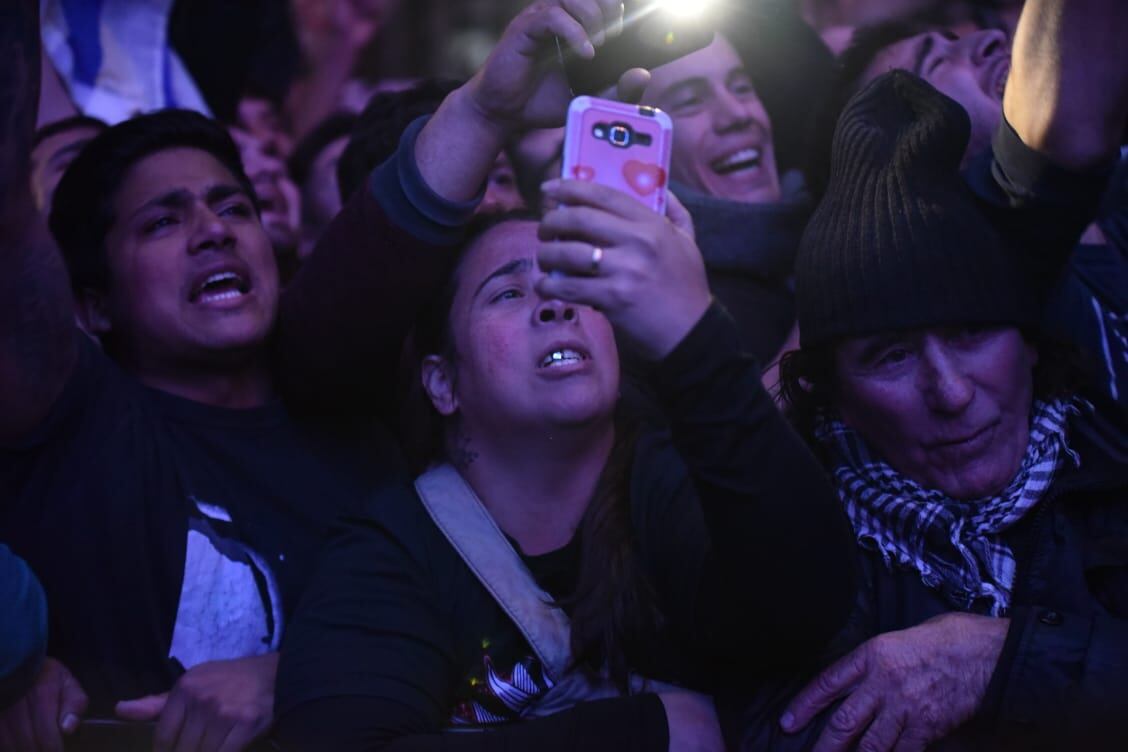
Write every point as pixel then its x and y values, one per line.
pixel 437 376
pixel 92 310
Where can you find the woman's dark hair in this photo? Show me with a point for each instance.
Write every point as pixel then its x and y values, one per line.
pixel 808 383
pixel 82 210
pixel 613 603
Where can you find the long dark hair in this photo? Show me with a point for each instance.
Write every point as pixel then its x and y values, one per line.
pixel 614 602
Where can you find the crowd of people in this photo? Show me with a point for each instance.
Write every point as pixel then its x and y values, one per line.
pixel 336 427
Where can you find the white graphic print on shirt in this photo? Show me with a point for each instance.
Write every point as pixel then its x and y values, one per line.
pixel 229 599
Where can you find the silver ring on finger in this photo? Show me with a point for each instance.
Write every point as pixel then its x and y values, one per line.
pixel 596 260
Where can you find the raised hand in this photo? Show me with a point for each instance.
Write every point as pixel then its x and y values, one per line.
pixel 904 690
pixel 643 271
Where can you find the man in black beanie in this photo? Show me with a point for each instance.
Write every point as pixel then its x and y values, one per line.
pixel 986 496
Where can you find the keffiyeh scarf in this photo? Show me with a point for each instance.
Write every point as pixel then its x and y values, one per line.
pixel 955 545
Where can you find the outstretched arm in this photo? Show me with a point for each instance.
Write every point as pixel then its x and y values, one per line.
pixel 37 349
pixel 1067 93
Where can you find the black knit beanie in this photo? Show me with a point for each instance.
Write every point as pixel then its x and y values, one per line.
pixel 897 242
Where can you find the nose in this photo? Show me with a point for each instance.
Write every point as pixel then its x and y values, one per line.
pixel 732 113
pixel 946 386
pixel 985 45
pixel 211 232
pixel 553 311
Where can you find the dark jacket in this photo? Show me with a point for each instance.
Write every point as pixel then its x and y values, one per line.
pixel 1062 677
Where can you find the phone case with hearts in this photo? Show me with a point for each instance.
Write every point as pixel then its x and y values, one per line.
pixel 623 146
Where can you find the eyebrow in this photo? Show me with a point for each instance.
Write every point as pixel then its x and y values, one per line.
pixel 181 197
pixel 877 343
pixel 511 267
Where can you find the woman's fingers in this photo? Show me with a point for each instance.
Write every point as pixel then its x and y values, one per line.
pixel 576 257
pixel 584 193
pixel 679 215
pixel 587 224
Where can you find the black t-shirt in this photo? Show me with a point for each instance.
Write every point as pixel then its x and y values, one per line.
pixel 168 532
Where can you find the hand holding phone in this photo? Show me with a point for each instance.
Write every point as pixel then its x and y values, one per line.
pixel 622 146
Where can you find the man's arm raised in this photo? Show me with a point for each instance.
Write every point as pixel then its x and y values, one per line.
pixel 1067 93
pixel 37 346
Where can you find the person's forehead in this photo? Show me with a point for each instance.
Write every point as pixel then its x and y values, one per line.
pixel 502 244
pixel 716 61
pixel 167 170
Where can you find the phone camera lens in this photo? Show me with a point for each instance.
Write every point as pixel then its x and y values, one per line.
pixel 620 135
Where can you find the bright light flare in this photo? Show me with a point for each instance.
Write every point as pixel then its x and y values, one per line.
pixel 684 9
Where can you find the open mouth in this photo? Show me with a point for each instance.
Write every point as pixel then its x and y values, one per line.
pixel 744 159
pixel 220 286
pixel 564 356
pixel 1001 79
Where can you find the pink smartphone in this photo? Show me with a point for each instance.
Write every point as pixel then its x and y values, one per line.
pixel 622 146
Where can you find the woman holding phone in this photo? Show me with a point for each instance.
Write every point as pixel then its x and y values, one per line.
pixel 562 576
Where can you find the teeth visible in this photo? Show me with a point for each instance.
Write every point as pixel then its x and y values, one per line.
pixel 561 357
pixel 228 295
pixel 221 277
pixel 749 157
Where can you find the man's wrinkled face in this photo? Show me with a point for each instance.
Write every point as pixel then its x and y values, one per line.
pixel 50 159
pixel 192 273
pixel 947 407
pixel 971 70
pixel 722 134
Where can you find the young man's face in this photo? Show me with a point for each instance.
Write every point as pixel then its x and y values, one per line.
pixel 971 70
pixel 50 159
pixel 192 273
pixel 722 134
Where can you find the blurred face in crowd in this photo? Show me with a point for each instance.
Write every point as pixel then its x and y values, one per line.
pixel 321 199
pixel 192 274
pixel 947 407
pixel 971 69
pixel 260 118
pixel 521 361
pixel 722 134
pixel 50 159
pixel 277 195
pixel 501 189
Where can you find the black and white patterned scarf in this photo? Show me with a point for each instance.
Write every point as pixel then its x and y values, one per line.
pixel 955 545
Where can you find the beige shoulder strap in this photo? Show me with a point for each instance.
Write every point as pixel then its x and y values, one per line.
pixel 466 523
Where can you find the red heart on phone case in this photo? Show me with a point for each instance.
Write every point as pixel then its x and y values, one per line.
pixel 583 172
pixel 644 178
